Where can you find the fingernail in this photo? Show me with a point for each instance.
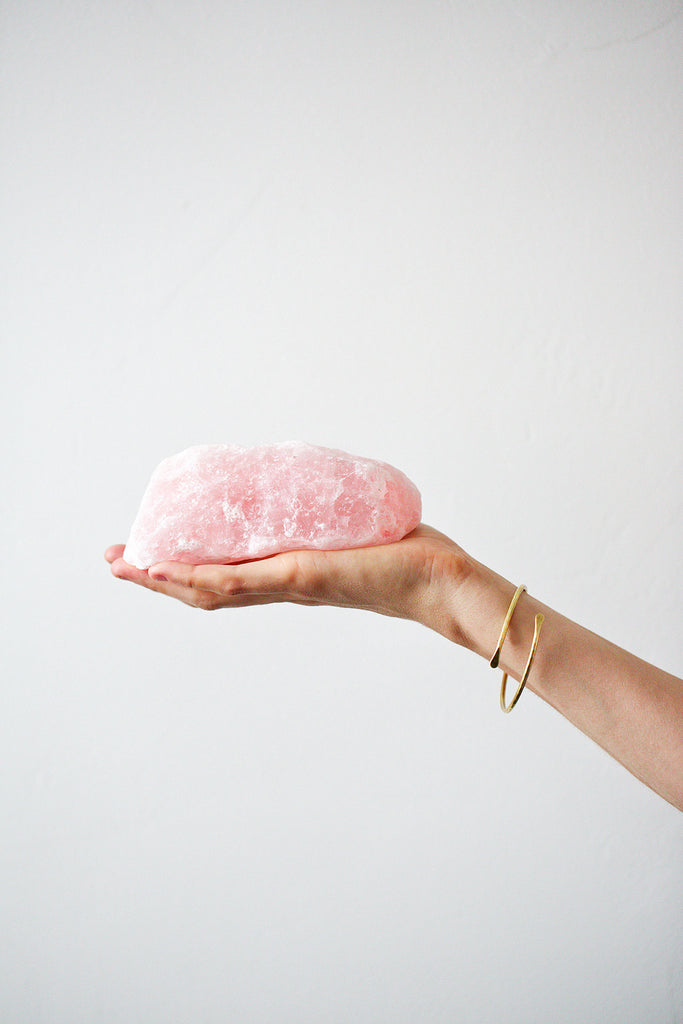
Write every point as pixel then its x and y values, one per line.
pixel 158 576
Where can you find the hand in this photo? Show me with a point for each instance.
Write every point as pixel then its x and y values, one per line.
pixel 414 578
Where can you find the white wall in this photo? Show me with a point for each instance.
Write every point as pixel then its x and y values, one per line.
pixel 446 235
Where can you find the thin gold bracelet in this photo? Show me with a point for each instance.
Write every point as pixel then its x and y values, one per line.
pixel 496 656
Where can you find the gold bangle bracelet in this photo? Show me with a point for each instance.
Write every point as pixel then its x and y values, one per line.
pixel 507 708
pixel 538 622
pixel 513 604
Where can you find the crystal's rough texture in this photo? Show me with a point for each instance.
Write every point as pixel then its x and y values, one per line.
pixel 220 503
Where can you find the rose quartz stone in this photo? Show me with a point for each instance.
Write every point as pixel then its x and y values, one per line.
pixel 220 503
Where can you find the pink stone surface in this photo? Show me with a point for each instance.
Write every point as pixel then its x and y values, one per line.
pixel 217 504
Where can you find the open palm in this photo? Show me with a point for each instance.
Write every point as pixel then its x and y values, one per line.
pixel 400 579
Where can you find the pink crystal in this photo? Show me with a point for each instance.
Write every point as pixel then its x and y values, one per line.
pixel 222 503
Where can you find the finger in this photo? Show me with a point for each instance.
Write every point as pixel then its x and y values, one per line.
pixel 125 571
pixel 114 552
pixel 197 598
pixel 265 576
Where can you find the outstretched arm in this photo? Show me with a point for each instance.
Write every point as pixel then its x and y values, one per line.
pixel 630 708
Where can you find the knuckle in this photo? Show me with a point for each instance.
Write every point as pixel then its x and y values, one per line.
pixel 314 579
pixel 296 579
pixel 232 586
pixel 294 576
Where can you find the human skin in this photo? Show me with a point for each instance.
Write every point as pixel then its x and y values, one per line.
pixel 630 708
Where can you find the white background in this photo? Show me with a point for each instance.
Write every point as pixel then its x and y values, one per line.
pixel 445 235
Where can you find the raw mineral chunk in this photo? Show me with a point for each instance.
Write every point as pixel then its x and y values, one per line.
pixel 217 504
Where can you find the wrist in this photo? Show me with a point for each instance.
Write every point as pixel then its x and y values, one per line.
pixel 462 599
pixel 467 602
pixel 482 609
pixel 479 609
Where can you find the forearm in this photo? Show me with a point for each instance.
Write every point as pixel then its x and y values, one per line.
pixel 630 708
